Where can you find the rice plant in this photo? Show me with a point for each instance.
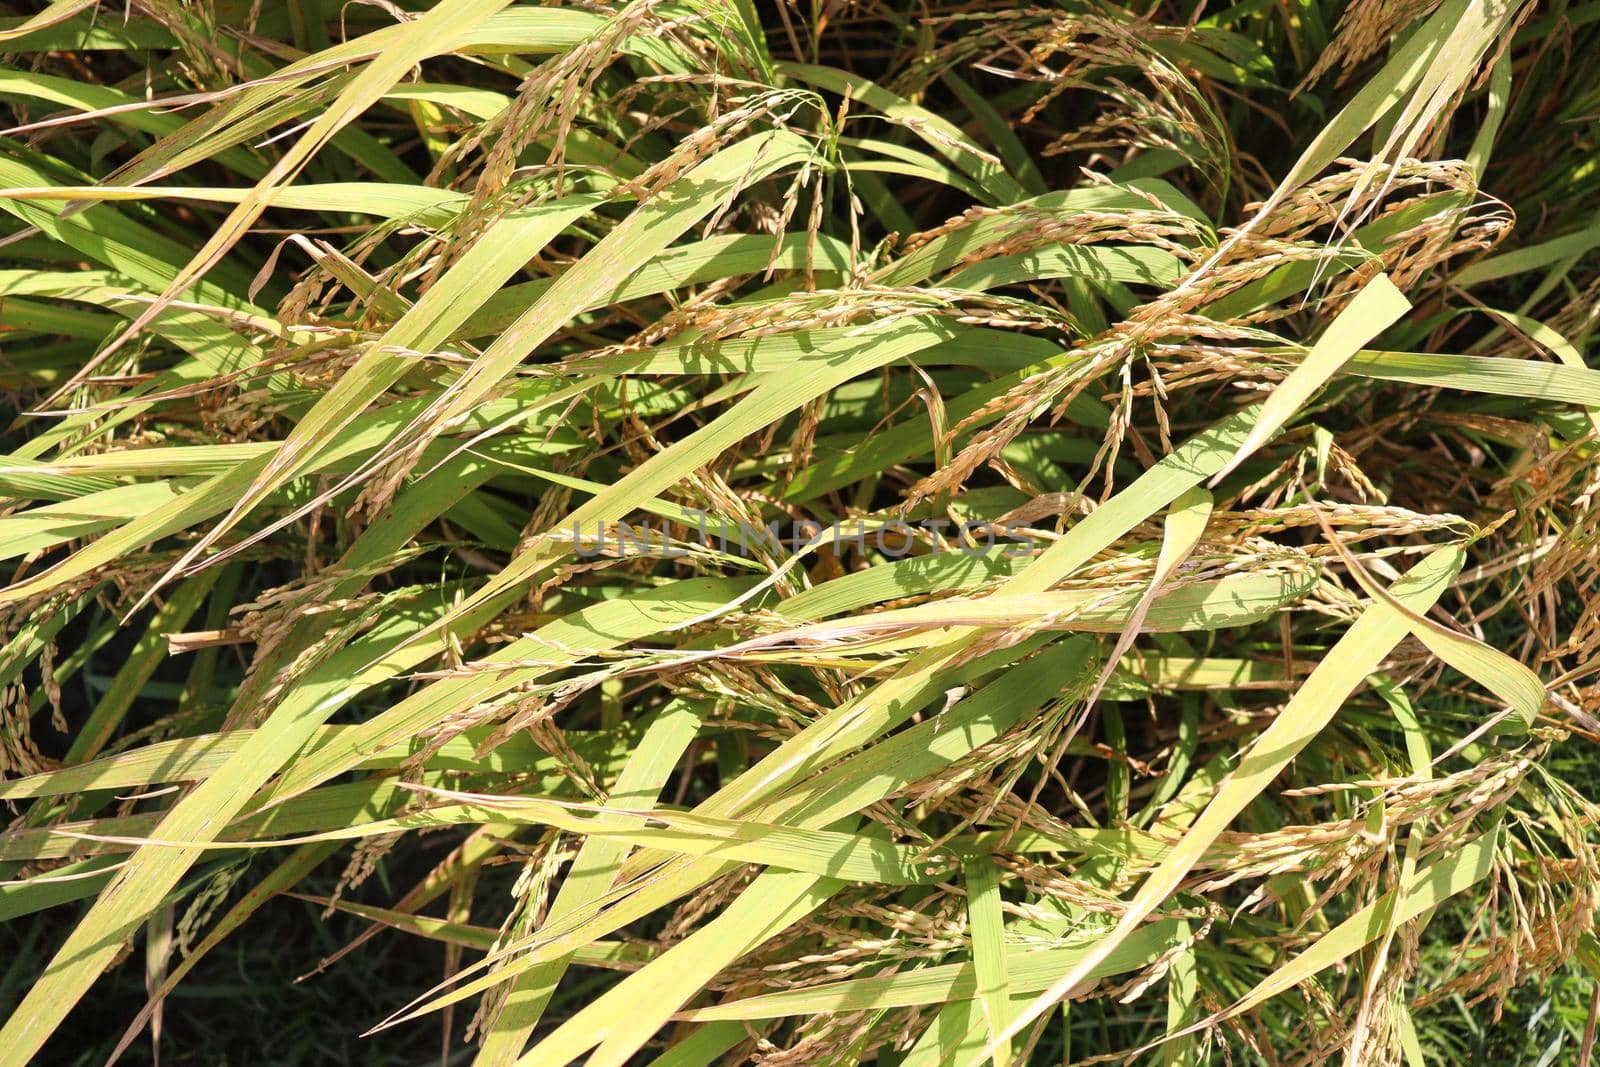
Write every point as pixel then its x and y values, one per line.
pixel 810 532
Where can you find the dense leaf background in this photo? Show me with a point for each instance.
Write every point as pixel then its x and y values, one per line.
pixel 1179 423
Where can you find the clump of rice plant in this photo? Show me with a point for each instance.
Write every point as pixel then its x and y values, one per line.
pixel 726 532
